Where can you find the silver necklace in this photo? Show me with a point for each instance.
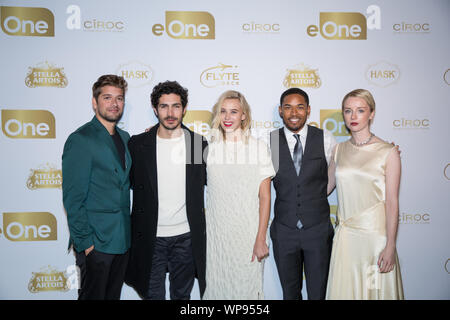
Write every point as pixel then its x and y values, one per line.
pixel 359 144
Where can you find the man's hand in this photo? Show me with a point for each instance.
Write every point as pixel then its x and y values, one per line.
pixel 88 250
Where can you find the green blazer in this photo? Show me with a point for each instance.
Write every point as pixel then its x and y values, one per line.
pixel 96 189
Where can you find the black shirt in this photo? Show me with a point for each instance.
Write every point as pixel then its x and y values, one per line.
pixel 120 148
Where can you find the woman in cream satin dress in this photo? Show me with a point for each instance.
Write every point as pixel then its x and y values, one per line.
pixel 366 171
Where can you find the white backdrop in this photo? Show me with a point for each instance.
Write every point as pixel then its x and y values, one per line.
pixel 53 51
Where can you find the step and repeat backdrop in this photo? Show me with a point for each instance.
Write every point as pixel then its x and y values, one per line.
pixel 53 51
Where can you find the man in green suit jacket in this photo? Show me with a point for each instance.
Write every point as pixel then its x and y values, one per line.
pixel 95 167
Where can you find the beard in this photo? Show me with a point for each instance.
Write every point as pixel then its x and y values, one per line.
pixel 110 117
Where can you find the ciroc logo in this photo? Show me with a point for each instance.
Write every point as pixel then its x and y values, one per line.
pixel 260 28
pixel 414 218
pixel 220 75
pixel 29 226
pixel 187 25
pixel 74 22
pixel 28 124
pixel 27 21
pixel 405 123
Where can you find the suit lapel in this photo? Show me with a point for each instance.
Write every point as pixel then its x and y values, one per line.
pixel 149 158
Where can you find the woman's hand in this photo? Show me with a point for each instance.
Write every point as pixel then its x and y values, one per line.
pixel 260 250
pixel 386 260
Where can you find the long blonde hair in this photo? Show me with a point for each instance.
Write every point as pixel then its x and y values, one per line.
pixel 217 133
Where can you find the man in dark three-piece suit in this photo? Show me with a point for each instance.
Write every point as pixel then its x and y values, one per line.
pixel 168 219
pixel 301 230
pixel 96 196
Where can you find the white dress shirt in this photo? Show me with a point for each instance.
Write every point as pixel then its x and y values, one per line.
pixel 329 141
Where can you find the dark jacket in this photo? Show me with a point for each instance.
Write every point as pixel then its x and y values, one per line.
pixel 144 216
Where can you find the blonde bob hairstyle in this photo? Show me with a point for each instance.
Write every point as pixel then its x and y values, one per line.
pixel 363 94
pixel 217 133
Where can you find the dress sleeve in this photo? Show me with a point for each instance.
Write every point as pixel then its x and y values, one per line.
pixel 266 169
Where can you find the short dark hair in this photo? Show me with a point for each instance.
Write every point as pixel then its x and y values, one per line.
pixel 108 80
pixel 294 91
pixel 169 87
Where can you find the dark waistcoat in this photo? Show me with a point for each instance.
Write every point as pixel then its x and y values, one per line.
pixel 304 196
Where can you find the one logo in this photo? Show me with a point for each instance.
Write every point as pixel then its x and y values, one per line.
pixel 447 266
pixel 198 121
pixel 46 75
pixel 405 123
pixel 29 226
pixel 447 76
pixel 346 25
pixel 74 22
pixel 411 28
pixel 382 74
pixel 414 218
pixel 187 25
pixel 27 21
pixel 28 124
pixel 136 73
pixel 302 76
pixel 260 28
pixel 332 120
pixel 220 75
pixel 45 177
pixel 48 279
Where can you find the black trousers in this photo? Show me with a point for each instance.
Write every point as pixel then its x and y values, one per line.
pixel 102 275
pixel 173 255
pixel 296 249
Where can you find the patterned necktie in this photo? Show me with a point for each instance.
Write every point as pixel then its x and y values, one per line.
pixel 298 154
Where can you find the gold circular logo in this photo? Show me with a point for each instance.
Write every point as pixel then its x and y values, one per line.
pixel 447 171
pixel 447 77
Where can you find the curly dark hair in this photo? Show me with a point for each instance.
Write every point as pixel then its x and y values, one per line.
pixel 169 87
pixel 109 80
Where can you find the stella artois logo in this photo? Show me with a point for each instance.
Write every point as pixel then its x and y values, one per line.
pixel 302 76
pixel 45 177
pixel 48 279
pixel 46 75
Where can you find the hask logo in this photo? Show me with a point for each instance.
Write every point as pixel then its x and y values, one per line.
pixel 346 25
pixel 220 75
pixel 187 25
pixel 27 21
pixel 332 120
pixel 29 226
pixel 382 74
pixel 198 121
pixel 46 75
pixel 28 124
pixel 136 73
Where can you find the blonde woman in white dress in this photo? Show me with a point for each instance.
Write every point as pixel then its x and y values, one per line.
pixel 239 171
pixel 366 170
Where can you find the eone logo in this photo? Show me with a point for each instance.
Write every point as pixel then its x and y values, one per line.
pixel 28 124
pixel 187 25
pixel 26 21
pixel 346 25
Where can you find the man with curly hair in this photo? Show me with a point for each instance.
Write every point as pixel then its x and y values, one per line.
pixel 167 220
